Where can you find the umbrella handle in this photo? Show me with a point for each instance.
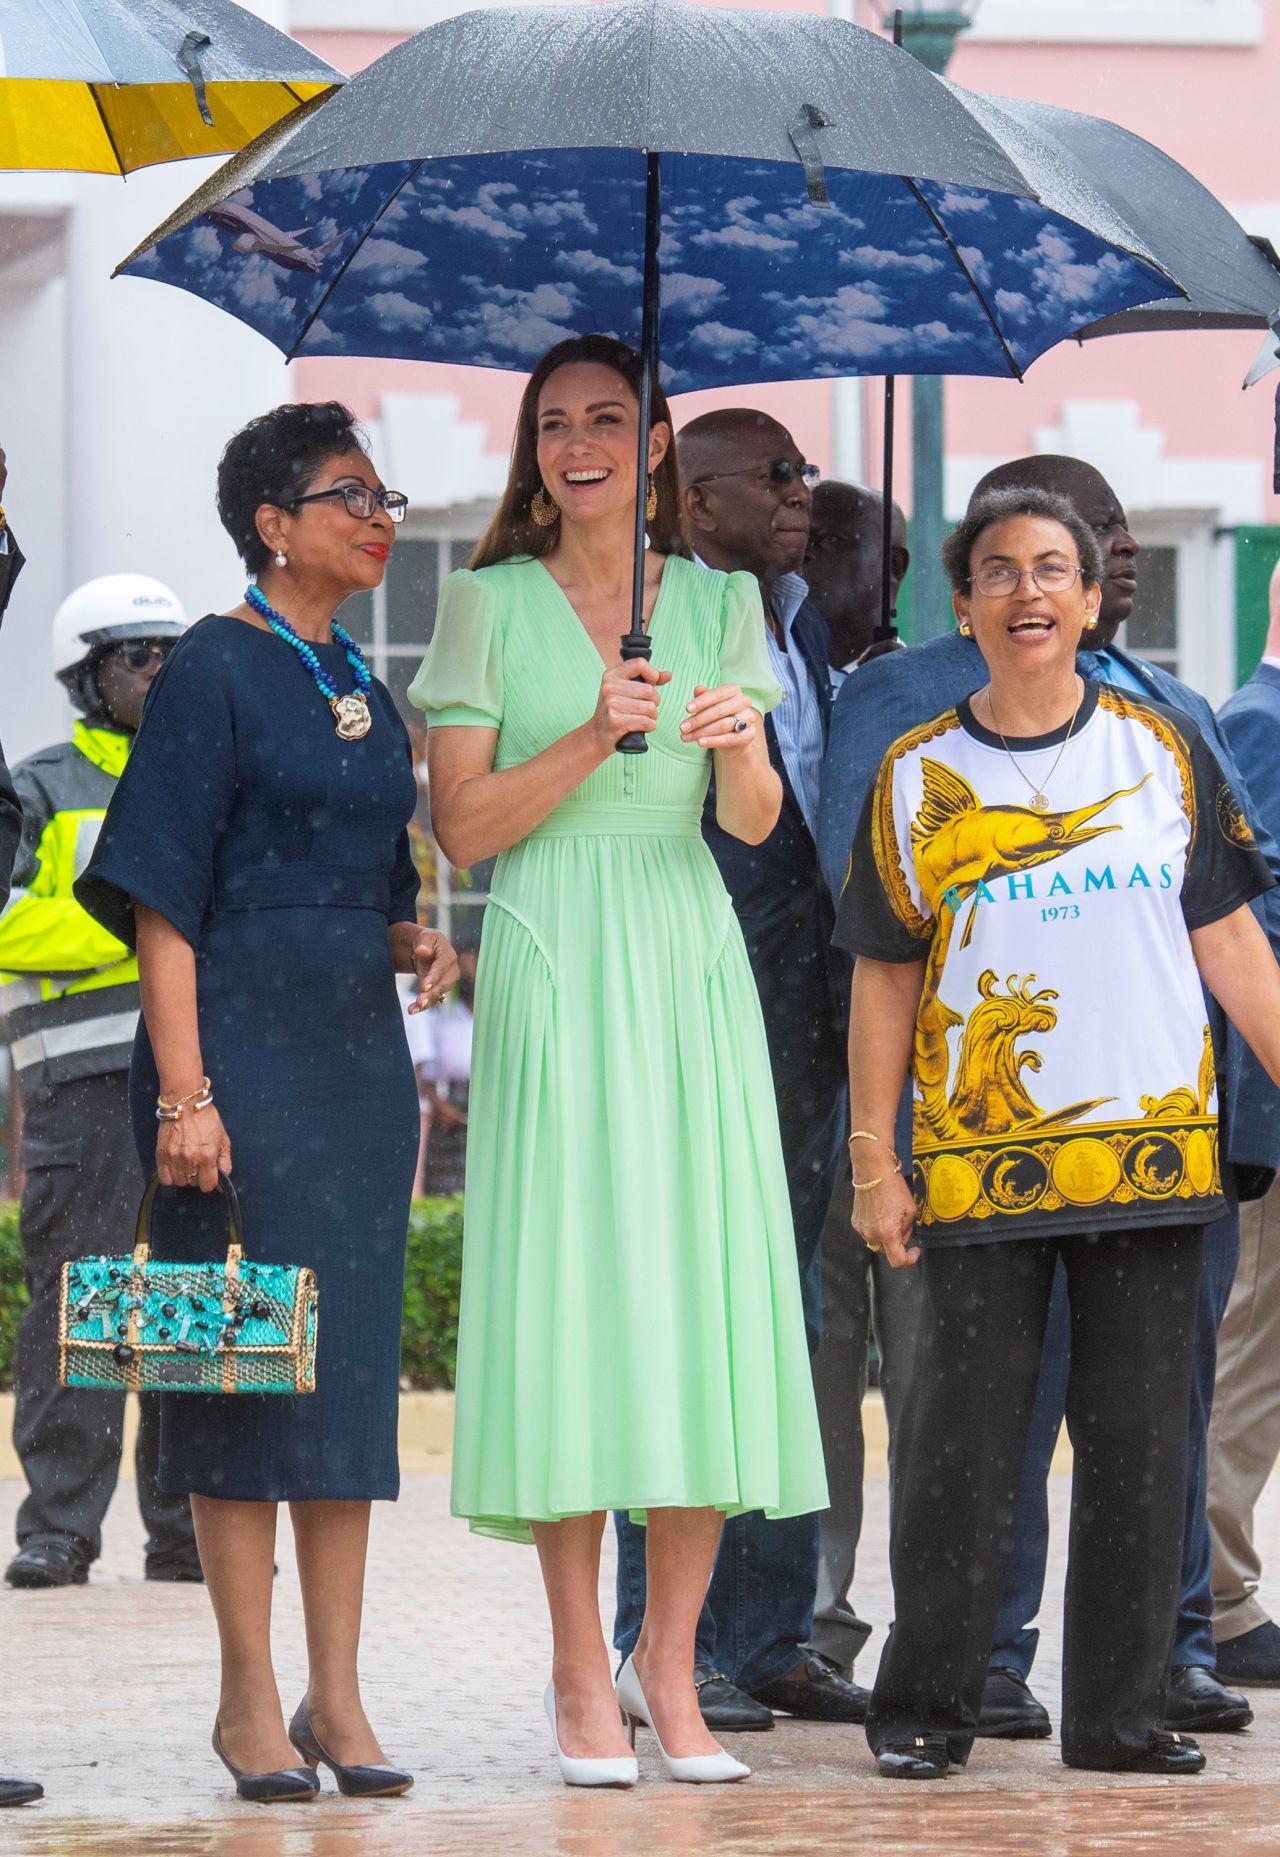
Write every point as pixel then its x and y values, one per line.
pixel 635 643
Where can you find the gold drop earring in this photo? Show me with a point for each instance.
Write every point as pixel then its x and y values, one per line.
pixel 544 512
pixel 651 501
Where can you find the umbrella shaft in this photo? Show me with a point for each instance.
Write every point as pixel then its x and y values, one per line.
pixel 635 643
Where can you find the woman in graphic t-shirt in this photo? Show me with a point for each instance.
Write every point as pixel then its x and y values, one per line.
pixel 1040 881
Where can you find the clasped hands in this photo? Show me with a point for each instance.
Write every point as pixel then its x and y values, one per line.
pixel 629 696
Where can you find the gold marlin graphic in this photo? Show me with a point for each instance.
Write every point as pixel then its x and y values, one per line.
pixel 958 843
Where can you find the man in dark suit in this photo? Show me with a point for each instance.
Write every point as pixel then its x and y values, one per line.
pixel 12 1792
pixel 1244 1433
pixel 875 707
pixel 747 493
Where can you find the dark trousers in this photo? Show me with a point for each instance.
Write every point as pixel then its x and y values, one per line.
pixel 1016 1638
pixel 758 1614
pixel 1132 1295
pixel 81 1199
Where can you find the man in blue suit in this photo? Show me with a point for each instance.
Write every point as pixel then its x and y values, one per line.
pixel 747 492
pixel 1244 1436
pixel 883 700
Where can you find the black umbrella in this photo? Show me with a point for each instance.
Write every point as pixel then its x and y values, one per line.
pixel 780 195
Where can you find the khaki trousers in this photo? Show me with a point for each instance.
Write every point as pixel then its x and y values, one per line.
pixel 1244 1431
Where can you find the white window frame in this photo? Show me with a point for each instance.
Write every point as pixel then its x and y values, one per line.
pixel 1205 620
pixel 1120 22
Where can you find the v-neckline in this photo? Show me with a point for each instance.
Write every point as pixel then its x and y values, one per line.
pixel 573 613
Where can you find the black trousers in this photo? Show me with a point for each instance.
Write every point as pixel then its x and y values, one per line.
pixel 81 1199
pixel 1133 1297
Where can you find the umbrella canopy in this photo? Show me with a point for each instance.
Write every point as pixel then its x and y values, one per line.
pixel 491 186
pixel 1229 280
pixel 107 86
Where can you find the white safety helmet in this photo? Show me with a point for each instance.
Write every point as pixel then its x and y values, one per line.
pixel 107 610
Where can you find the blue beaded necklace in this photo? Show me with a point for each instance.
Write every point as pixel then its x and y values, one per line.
pixel 352 712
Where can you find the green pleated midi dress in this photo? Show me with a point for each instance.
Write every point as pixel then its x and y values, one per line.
pixel 630 1333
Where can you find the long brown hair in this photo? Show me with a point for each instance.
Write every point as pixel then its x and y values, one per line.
pixel 513 530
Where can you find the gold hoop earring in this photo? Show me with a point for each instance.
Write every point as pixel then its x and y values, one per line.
pixel 651 501
pixel 544 512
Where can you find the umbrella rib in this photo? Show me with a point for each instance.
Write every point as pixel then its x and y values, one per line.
pixel 290 353
pixel 106 129
pixel 954 249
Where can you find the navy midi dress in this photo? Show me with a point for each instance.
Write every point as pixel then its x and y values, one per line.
pixel 281 853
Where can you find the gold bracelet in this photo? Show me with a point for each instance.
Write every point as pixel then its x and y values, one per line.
pixel 860 1186
pixel 199 1099
pixel 862 1134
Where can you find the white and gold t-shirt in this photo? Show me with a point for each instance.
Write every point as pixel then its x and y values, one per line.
pixel 1063 1072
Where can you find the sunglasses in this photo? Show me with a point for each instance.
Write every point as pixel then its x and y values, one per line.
pixel 360 500
pixel 138 654
pixel 781 471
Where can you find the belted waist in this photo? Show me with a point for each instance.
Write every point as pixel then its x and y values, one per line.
pixel 602 820
pixel 303 886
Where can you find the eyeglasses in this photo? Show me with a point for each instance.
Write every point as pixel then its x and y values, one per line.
pixel 1050 576
pixel 781 471
pixel 137 654
pixel 360 500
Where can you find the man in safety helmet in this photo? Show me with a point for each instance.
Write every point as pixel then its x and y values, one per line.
pixel 70 1000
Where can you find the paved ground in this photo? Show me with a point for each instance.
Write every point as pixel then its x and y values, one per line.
pixel 108 1697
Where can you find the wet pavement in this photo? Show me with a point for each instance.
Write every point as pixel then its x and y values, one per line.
pixel 109 1693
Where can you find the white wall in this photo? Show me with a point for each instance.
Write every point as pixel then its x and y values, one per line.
pixel 115 399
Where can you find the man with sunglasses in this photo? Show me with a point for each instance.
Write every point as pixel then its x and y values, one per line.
pixel 748 494
pixel 882 702
pixel 70 1003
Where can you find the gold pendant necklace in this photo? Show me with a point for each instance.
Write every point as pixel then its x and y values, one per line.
pixel 1039 798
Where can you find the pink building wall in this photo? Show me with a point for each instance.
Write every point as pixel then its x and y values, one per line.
pixel 1212 109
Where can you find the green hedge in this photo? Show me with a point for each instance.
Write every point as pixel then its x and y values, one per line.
pixel 433 1272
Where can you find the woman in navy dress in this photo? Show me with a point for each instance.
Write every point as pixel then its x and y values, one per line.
pixel 257 854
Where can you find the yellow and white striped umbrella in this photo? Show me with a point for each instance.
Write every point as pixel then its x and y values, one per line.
pixel 107 86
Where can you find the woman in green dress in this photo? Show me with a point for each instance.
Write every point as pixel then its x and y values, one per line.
pixel 631 1333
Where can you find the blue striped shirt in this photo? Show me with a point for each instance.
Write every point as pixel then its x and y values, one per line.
pixel 797 720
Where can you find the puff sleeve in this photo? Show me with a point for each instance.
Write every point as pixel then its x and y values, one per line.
pixel 744 651
pixel 172 802
pixel 459 683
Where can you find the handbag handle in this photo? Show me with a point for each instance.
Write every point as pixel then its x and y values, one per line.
pixel 235 1225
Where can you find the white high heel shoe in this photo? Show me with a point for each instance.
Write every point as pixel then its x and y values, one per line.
pixel 624 1771
pixel 698 1769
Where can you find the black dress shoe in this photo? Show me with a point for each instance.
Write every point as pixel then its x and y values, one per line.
pixel 357 1782
pixel 924 1758
pixel 287 1786
pixel 725 1708
pixel 1168 1753
pixel 1009 1711
pixel 820 1695
pixel 48 1563
pixel 1252 1659
pixel 1198 1700
pixel 20 1792
pixel 176 1569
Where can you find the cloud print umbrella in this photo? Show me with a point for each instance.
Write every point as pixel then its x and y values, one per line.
pixel 108 86
pixel 760 196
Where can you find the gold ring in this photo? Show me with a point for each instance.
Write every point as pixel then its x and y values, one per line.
pixel 872 1247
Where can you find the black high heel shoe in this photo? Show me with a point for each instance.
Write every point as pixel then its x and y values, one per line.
pixel 288 1786
pixel 371 1782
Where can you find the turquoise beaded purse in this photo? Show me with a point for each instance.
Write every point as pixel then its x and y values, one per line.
pixel 130 1324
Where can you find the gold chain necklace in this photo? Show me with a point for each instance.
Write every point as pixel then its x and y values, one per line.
pixel 1039 799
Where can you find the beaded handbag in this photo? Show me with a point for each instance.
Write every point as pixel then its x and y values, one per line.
pixel 131 1324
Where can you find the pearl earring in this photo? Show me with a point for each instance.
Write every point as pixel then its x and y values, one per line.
pixel 282 559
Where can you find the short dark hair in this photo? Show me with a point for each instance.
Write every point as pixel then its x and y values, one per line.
pixel 992 506
pixel 274 459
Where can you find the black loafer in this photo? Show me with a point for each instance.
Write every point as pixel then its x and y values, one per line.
pixel 725 1708
pixel 1197 1699
pixel 1168 1753
pixel 20 1792
pixel 1252 1659
pixel 47 1563
pixel 175 1569
pixel 924 1758
pixel 1009 1711
pixel 820 1695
